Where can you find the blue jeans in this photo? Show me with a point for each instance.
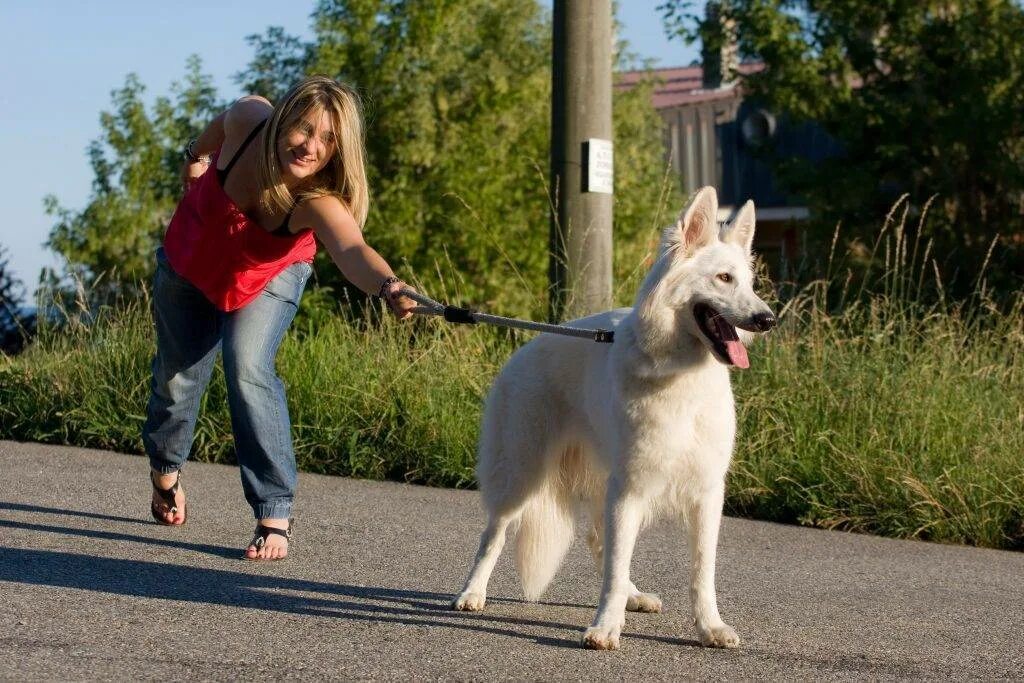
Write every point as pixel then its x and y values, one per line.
pixel 190 331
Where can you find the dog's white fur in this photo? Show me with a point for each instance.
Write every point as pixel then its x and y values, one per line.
pixel 632 429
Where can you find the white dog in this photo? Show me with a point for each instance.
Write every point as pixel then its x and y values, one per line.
pixel 631 429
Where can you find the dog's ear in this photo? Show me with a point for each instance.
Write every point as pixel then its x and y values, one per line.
pixel 741 231
pixel 697 226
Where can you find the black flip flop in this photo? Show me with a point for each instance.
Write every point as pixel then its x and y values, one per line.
pixel 167 495
pixel 263 532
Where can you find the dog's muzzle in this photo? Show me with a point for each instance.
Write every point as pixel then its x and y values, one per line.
pixel 762 322
pixel 759 322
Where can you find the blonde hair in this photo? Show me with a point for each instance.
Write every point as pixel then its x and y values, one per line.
pixel 344 175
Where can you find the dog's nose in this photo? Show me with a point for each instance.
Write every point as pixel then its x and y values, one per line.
pixel 763 321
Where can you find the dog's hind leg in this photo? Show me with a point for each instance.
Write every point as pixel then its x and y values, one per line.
pixel 474 594
pixel 509 469
pixel 704 516
pixel 518 471
pixel 544 533
pixel 638 601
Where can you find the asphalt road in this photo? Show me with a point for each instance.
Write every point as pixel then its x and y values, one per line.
pixel 91 589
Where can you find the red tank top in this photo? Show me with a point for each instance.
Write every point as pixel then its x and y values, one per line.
pixel 211 243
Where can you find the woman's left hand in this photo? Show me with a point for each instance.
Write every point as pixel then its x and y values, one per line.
pixel 191 171
pixel 399 304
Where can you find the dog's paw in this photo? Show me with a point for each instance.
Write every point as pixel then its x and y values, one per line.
pixel 601 638
pixel 719 636
pixel 644 602
pixel 469 602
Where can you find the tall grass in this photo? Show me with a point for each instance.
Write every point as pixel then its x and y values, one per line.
pixel 876 406
pixel 880 406
pixel 368 397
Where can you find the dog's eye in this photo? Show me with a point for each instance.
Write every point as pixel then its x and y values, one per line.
pixel 724 277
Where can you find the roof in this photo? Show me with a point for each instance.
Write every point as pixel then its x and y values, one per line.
pixel 677 85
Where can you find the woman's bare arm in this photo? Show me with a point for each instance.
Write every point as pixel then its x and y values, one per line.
pixel 237 120
pixel 212 137
pixel 361 265
pixel 242 116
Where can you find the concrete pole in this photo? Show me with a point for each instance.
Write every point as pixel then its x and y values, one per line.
pixel 580 270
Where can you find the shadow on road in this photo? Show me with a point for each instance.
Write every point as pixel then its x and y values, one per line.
pixel 21 507
pixel 218 550
pixel 251 591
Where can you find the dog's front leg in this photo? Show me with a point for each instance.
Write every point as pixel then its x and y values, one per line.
pixel 638 601
pixel 704 518
pixel 624 511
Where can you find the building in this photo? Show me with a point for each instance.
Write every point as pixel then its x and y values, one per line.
pixel 712 137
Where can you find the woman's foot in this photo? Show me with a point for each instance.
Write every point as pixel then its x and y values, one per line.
pixel 271 540
pixel 168 504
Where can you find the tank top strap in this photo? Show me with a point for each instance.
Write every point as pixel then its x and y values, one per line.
pixel 222 174
pixel 283 230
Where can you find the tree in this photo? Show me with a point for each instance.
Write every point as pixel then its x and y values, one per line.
pixel 924 96
pixel 16 326
pixel 456 98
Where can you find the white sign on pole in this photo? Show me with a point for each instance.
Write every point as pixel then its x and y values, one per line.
pixel 599 166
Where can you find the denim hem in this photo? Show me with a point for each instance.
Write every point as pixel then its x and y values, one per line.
pixel 163 468
pixel 272 511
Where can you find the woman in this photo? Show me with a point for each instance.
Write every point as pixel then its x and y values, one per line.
pixel 262 181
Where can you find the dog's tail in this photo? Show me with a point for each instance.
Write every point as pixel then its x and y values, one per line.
pixel 545 533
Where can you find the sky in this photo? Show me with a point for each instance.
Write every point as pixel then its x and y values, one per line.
pixel 63 58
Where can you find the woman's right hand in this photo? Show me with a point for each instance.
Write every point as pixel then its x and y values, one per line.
pixel 401 306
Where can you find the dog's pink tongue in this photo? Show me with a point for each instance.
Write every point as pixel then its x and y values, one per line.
pixel 737 354
pixel 733 346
